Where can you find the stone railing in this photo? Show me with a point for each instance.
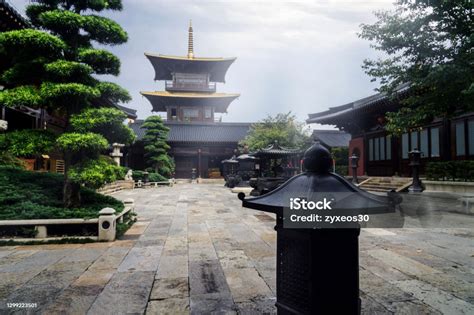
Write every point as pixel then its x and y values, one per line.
pixel 107 224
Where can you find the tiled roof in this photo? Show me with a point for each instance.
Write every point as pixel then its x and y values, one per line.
pixel 332 138
pixel 10 18
pixel 131 113
pixel 165 65
pixel 333 113
pixel 277 150
pixel 199 132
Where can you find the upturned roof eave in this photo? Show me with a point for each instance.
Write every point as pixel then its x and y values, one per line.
pixel 184 58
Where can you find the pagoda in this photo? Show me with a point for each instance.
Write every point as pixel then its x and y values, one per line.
pixel 190 85
pixel 198 140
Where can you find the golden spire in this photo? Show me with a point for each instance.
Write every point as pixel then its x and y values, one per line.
pixel 190 41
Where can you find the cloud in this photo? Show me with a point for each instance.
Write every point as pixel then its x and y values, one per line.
pixel 302 56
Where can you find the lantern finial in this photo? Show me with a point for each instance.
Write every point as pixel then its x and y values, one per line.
pixel 317 159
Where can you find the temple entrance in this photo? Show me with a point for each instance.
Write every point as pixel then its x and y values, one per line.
pixel 184 166
pixel 215 167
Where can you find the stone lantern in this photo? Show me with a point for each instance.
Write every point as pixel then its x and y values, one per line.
pixel 415 162
pixel 116 154
pixel 354 165
pixel 318 263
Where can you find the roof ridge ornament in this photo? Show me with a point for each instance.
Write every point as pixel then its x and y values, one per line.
pixel 190 41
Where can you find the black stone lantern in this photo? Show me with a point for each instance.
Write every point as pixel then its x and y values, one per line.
pixel 229 166
pixel 354 165
pixel 318 268
pixel 415 162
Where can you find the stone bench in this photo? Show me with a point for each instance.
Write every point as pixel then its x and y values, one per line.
pixel 106 223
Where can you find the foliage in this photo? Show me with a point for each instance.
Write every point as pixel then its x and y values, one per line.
pixel 156 148
pixel 341 156
pixel 56 67
pixel 62 71
pixel 25 95
pixel 28 44
pixel 102 61
pixel 342 170
pixel 283 127
pixel 152 177
pixel 81 142
pixel 107 122
pixel 33 195
pixel 27 143
pixel 74 94
pixel 113 92
pixel 428 44
pixel 450 170
pixel 8 159
pixel 94 173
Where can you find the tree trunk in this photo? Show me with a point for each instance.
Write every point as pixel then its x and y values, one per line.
pixel 71 194
pixel 71 190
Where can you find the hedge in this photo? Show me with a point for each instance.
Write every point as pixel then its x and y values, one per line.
pixel 152 177
pixel 33 195
pixel 450 171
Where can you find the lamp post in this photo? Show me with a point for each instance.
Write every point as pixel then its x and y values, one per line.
pixel 415 162
pixel 354 164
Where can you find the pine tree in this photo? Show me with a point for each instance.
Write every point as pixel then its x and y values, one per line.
pixel 156 148
pixel 56 69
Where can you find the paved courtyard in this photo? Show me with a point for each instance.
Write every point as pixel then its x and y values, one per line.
pixel 194 249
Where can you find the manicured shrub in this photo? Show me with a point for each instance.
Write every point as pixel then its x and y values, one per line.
pixel 33 195
pixel 96 173
pixel 27 142
pixel 152 177
pixel 450 170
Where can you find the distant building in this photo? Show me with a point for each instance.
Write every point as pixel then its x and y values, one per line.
pixel 382 154
pixel 10 19
pixel 190 101
pixel 332 138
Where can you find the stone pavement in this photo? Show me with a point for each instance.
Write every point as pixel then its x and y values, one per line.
pixel 195 250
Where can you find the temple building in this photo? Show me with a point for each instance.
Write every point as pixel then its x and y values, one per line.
pixel 190 102
pixel 382 154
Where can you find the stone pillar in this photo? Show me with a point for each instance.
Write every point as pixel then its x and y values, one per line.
pixel 41 231
pixel 3 125
pixel 107 227
pixel 116 154
pixel 128 203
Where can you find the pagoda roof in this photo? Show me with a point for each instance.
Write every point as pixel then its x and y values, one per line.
pixel 165 66
pixel 198 132
pixel 161 99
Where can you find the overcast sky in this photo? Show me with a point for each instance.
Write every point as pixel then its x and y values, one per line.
pixel 299 56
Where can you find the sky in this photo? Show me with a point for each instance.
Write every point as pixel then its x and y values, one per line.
pixel 298 56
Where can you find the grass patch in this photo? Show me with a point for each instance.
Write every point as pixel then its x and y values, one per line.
pixel 28 195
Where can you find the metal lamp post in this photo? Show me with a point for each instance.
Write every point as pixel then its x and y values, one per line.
pixel 318 268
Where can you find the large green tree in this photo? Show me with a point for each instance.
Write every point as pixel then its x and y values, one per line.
pixel 283 128
pixel 57 69
pixel 428 44
pixel 156 148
